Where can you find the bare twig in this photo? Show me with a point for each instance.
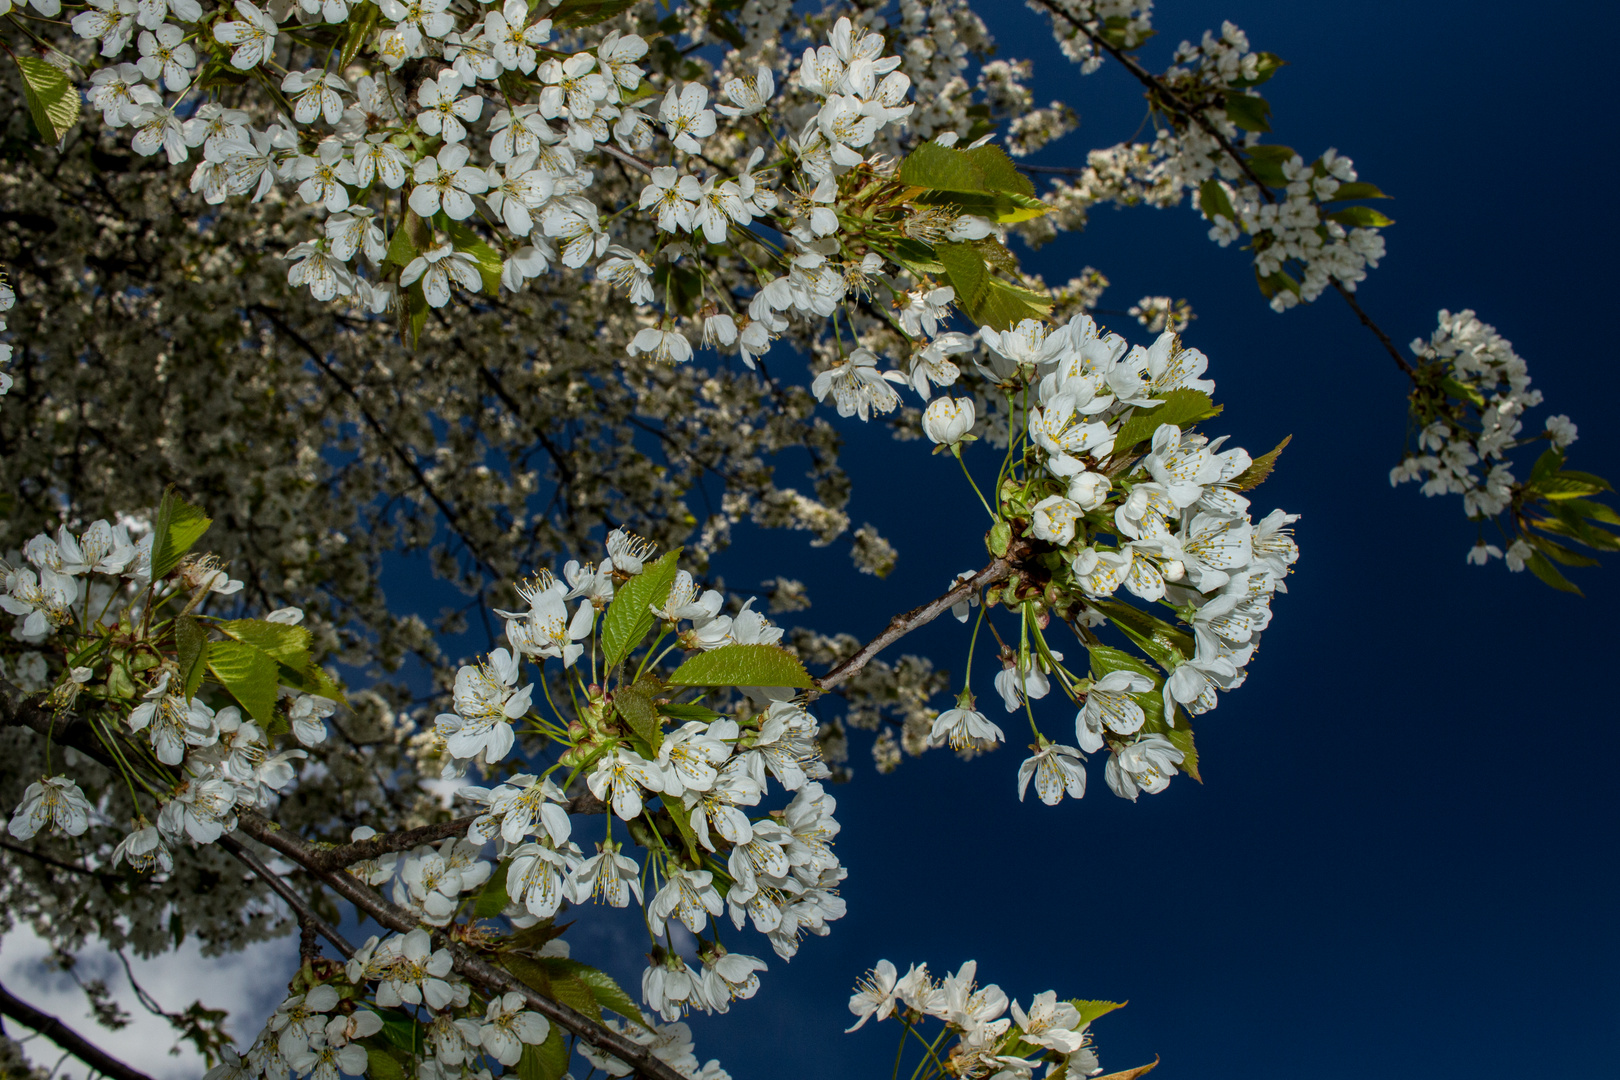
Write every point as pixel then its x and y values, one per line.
pixel 1195 115
pixel 901 625
pixel 68 1039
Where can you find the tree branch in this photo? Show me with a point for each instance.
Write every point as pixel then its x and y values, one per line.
pixel 468 963
pixel 1196 115
pixel 68 1039
pixel 901 625
pixel 306 914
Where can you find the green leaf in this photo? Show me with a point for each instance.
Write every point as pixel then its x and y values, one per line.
pixel 1181 407
pixel 1595 510
pixel 1251 112
pixel 676 809
pixel 1182 739
pixel 917 257
pixel 1573 528
pixel 1463 391
pixel 191 642
pixel 635 706
pixel 529 971
pixel 743 665
pixel 1131 1074
pixel 1268 65
pixel 249 674
pixel 179 526
pixel 312 680
pixel 1569 485
pixel 609 995
pixel 288 644
pixel 361 23
pixel 1364 217
pixel 547 1061
pixel 941 168
pixel 487 258
pixel 982 296
pixel 381 1065
pixel 572 991
pixel 1090 1010
pixel 629 616
pixel 1165 643
pixel 1106 660
pixel 1259 471
pixel 1275 282
pixel 1548 573
pixel 1357 189
pixel 416 308
pixel 401 1031
pixel 410 237
pixel 1213 201
pixel 1266 163
pixel 684 713
pixel 1561 554
pixel 588 12
pixel 53 100
pixel 492 898
pixel 998 170
pixel 1550 461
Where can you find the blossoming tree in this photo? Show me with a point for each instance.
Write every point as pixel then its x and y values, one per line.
pixel 507 282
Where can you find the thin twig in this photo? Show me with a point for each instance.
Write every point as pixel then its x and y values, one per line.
pixel 901 625
pixel 306 915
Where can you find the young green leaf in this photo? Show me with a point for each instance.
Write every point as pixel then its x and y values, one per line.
pixel 1181 737
pixel 381 1065
pixel 288 644
pixel 179 526
pixel 1364 217
pixel 1213 201
pixel 609 995
pixel 630 615
pixel 1547 572
pixel 487 258
pixel 1181 407
pixel 492 898
pixel 635 706
pixel 1165 643
pixel 1090 1010
pixel 1357 189
pixel 250 674
pixel 1106 660
pixel 191 644
pixel 1259 471
pixel 545 1061
pixel 1251 112
pixel 53 100
pixel 410 237
pixel 743 665
pixel 684 713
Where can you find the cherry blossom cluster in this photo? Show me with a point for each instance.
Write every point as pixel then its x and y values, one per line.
pixel 1469 421
pixel 98 580
pixel 317 1031
pixel 777 871
pixel 1207 147
pixel 995 1036
pixel 1179 538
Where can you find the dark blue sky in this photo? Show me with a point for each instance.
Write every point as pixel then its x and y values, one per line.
pixel 1401 860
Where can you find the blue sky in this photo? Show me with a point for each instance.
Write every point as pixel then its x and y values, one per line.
pixel 1400 860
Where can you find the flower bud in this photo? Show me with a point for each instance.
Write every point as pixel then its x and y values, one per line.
pixel 947 420
pixel 1174 570
pixel 1089 489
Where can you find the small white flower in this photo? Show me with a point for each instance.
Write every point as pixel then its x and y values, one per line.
pixel 55 802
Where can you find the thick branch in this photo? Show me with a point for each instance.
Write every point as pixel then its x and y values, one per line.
pixel 901 625
pixel 468 963
pixel 68 1039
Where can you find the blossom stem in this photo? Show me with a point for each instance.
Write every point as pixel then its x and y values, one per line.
pixel 957 453
pixel 967 670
